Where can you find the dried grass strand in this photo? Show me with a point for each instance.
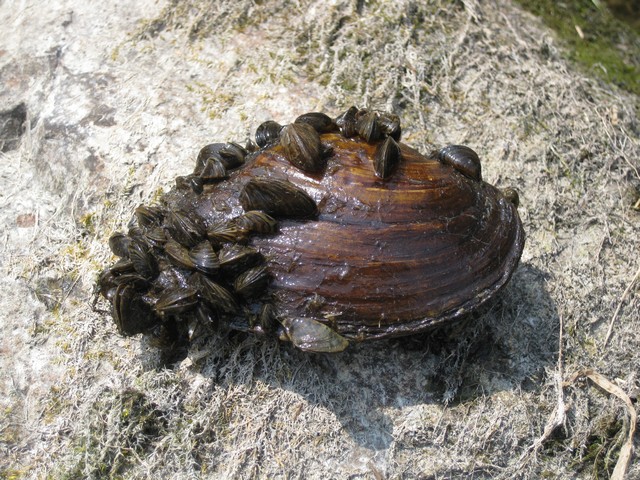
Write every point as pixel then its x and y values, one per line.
pixel 626 451
pixel 615 314
pixel 557 417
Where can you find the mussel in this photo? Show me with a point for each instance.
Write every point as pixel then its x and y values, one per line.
pixel 332 232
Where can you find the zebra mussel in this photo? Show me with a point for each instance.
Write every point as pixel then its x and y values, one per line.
pixel 329 231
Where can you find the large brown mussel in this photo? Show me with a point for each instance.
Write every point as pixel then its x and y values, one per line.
pixel 328 231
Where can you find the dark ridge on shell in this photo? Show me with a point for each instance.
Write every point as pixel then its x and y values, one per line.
pixel 196 184
pixel 178 255
pixel 143 260
pixel 131 313
pixel 216 296
pixel 204 258
pixel 252 282
pixel 176 300
pixel 225 232
pixel 148 216
pixel 257 221
pixel 390 125
pixel 235 259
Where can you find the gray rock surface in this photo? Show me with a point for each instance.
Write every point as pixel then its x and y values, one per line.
pixel 118 97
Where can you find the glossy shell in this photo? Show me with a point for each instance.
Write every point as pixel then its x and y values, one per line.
pixel 360 239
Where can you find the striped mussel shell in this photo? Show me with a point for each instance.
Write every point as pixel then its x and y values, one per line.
pixel 368 127
pixel 237 258
pixel 302 146
pixel 148 215
pixel 213 171
pixel 178 255
pixel 119 244
pixel 142 259
pixel 227 231
pixel 267 132
pixel 346 122
pixel 205 258
pixel 186 229
pixel 321 122
pixel 251 282
pixel 232 155
pixel 257 221
pixel 216 296
pixel 131 313
pixel 176 300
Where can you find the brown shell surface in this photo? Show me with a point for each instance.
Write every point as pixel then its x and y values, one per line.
pixel 384 257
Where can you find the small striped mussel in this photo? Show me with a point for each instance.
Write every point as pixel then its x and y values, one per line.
pixel 325 231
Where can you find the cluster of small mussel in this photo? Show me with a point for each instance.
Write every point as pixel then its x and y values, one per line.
pixel 180 271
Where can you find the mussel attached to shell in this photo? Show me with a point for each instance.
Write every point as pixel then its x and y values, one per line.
pixel 332 232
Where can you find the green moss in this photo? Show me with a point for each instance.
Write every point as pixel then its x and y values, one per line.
pixel 595 39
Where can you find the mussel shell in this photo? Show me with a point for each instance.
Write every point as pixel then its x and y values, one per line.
pixel 216 296
pixel 426 248
pixel 124 265
pixel 267 318
pixel 321 122
pixel 256 221
pixel 142 259
pixel 463 159
pixel 226 232
pixel 213 171
pixel 178 255
pixel 386 158
pixel 267 132
pixel 155 236
pixel 390 125
pixel 208 151
pixel 368 127
pixel 204 258
pixel 196 184
pixel 119 244
pixel 176 300
pixel 346 122
pixel 207 316
pixel 186 229
pixel 302 147
pixel 279 198
pixel 232 155
pixel 237 258
pixel 252 282
pixel 189 182
pixel 135 280
pixel 148 215
pixel 131 313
